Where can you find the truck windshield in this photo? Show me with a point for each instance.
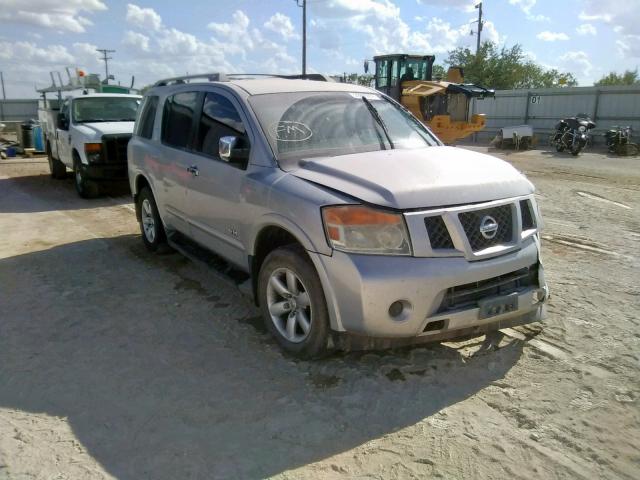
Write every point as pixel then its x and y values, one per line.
pixel 312 124
pixel 105 109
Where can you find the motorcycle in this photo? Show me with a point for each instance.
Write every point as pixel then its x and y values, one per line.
pixel 618 141
pixel 572 134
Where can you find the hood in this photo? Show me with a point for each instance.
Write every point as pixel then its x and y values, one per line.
pixel 94 131
pixel 422 178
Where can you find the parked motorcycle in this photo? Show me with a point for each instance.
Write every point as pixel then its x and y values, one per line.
pixel 619 141
pixel 572 134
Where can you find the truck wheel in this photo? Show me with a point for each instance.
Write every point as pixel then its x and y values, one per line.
pixel 153 234
pixel 292 302
pixel 85 188
pixel 56 167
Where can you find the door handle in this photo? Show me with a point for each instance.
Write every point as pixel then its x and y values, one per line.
pixel 193 170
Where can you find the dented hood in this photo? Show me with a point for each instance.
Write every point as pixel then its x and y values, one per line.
pixel 421 178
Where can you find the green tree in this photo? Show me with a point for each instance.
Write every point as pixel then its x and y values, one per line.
pixel 506 68
pixel 439 72
pixel 629 77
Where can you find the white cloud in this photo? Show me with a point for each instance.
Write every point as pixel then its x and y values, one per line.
pixel 624 19
pixel 547 36
pixel 56 15
pixel 576 62
pixel 586 29
pixel 526 6
pixel 143 17
pixel 136 40
pixel 281 24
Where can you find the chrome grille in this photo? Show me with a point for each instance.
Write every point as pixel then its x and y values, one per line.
pixel 438 233
pixel 471 223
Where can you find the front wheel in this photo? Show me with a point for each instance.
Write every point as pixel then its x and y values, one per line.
pixel 292 302
pixel 86 188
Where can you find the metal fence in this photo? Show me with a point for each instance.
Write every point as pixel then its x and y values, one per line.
pixel 542 108
pixel 18 110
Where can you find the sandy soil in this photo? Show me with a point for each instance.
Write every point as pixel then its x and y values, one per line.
pixel 115 363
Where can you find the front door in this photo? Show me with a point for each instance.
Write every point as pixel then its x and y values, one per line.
pixel 217 212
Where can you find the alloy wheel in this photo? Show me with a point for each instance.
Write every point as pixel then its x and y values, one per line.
pixel 148 222
pixel 289 305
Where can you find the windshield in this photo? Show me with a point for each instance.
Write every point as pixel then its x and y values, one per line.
pixel 105 109
pixel 303 125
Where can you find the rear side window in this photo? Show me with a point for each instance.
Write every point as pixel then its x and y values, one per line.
pixel 219 118
pixel 144 128
pixel 177 119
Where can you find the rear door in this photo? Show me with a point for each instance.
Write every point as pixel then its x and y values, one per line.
pixel 174 159
pixel 217 210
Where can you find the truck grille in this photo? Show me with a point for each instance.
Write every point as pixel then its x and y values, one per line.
pixel 115 148
pixel 438 233
pixel 472 221
pixel 467 296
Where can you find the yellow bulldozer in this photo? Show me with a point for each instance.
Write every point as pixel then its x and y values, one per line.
pixel 442 105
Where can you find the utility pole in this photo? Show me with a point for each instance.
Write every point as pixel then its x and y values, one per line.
pixel 4 96
pixel 105 59
pixel 304 34
pixel 479 7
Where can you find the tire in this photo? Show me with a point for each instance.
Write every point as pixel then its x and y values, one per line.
pixel 283 261
pixel 559 147
pixel 151 227
pixel 56 167
pixel 576 151
pixel 86 188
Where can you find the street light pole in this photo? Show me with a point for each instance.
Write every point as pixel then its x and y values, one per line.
pixel 304 34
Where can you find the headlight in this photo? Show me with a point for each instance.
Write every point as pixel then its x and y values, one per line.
pixel 582 128
pixel 360 229
pixel 93 152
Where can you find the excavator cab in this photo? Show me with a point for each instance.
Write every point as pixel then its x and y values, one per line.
pixel 443 105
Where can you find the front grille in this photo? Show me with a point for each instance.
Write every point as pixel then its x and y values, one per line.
pixel 115 148
pixel 472 222
pixel 438 233
pixel 527 215
pixel 467 296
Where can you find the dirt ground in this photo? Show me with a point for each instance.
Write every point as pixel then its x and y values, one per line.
pixel 116 363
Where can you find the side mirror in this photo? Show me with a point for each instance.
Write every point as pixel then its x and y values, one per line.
pixel 63 124
pixel 231 149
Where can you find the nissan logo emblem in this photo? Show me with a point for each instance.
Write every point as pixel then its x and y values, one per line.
pixel 488 227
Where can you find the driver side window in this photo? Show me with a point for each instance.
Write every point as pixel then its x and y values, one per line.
pixel 219 119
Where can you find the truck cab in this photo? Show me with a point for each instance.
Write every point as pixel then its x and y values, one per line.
pixel 88 134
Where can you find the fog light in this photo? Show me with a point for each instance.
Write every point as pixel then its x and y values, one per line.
pixel 396 309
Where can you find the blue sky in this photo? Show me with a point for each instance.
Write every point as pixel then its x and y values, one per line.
pixel 164 38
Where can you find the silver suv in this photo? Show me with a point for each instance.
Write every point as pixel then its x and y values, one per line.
pixel 353 221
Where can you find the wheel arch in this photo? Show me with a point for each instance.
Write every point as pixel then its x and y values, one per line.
pixel 278 232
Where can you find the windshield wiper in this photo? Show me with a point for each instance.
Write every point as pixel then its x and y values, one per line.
pixel 376 116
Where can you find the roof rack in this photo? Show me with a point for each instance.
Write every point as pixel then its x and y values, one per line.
pixel 221 77
pixel 210 77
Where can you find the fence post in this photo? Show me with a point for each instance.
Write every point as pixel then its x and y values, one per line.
pixel 526 108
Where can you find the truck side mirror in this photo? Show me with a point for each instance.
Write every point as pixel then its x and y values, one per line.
pixel 232 149
pixel 63 123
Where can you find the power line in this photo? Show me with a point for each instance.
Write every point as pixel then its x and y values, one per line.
pixel 106 59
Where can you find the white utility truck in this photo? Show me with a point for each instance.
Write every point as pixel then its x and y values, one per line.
pixel 88 131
